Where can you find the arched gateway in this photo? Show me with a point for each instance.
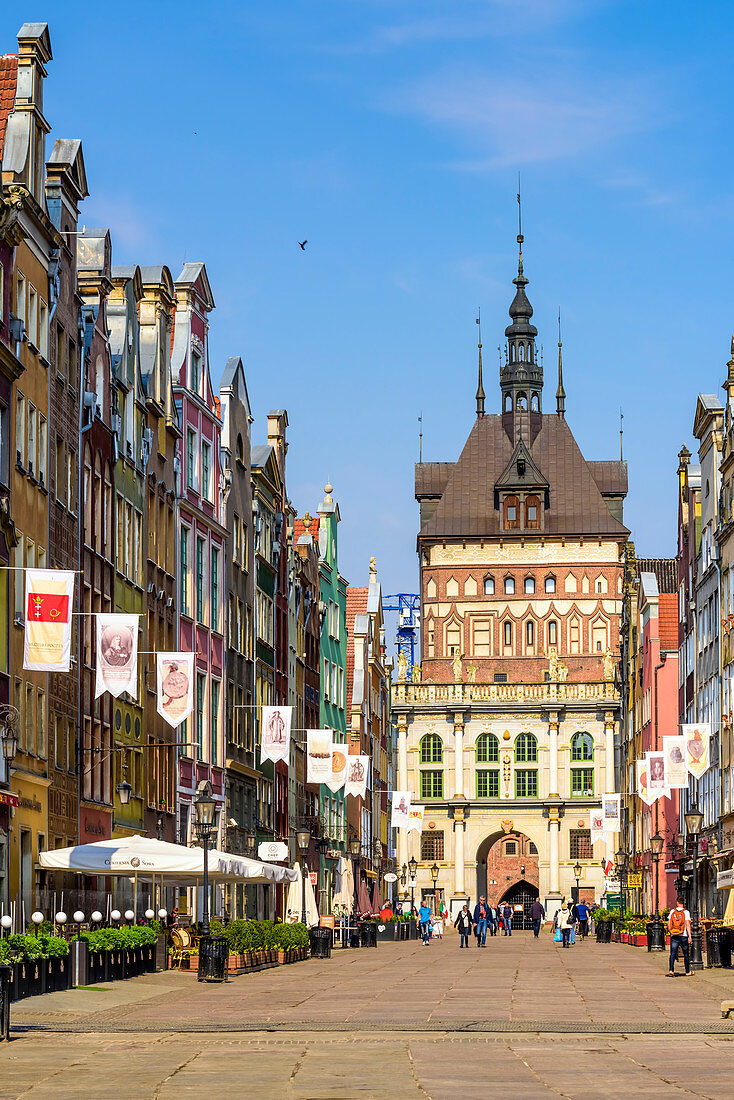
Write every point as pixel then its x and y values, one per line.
pixel 507 872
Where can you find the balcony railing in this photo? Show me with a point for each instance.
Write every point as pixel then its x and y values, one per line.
pixel 551 692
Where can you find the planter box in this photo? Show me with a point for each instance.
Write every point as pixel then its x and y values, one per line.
pixel 389 933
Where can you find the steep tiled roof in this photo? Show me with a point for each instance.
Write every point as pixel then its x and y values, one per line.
pixel 611 477
pixel 8 80
pixel 356 605
pixel 467 505
pixel 299 529
pixel 665 571
pixel 431 478
pixel 668 621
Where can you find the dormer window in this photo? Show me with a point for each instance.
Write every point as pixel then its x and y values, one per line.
pixel 511 513
pixel 521 467
pixel 532 513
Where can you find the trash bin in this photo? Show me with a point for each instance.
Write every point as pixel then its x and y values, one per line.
pixel 6 977
pixel 213 958
pixel 604 931
pixel 354 937
pixel 718 947
pixel 368 934
pixel 655 936
pixel 320 943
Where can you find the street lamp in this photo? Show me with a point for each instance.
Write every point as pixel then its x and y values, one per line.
pixel 412 868
pixel 303 837
pixel 657 936
pixel 205 812
pixel 124 790
pixel 8 719
pixel 577 870
pixel 355 846
pixel 622 875
pixel 694 821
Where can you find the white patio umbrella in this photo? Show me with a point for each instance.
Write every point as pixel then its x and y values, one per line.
pixel 344 894
pixel 294 900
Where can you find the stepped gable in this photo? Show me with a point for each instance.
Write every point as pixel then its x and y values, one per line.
pixel 467 505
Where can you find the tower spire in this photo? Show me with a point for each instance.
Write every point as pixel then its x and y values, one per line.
pixel 520 237
pixel 560 392
pixel 480 387
pixel 521 379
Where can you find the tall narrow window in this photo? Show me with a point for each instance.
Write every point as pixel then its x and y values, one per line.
pixel 200 547
pixel 32 467
pixel 552 632
pixel 195 372
pixel 214 610
pixel 508 635
pixel 215 721
pixel 550 584
pixel 190 459
pixel 530 634
pixel 509 586
pixel 206 453
pixel 185 570
pixel 32 315
pixel 20 429
pixel 42 451
pixel 200 689
pixel 489 586
pixel 511 513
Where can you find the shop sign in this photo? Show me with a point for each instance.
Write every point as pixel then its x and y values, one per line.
pixel 32 803
pixel 725 879
pixel 272 851
pixel 94 825
pixel 8 799
pixel 314 877
pixel 333 853
pixel 634 880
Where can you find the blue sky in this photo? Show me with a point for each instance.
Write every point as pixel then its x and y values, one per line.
pixel 389 134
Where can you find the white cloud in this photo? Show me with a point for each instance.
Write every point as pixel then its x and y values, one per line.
pixel 551 115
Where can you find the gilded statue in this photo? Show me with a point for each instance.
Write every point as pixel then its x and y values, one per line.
pixel 456 662
pixel 415 674
pixel 402 668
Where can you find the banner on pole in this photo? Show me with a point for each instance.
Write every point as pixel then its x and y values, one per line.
pixel 610 812
pixel 675 770
pixel 697 747
pixel 275 730
pixel 175 678
pixel 356 781
pixel 643 789
pixel 318 753
pixel 117 654
pixel 656 772
pixel 400 818
pixel 49 595
pixel 338 775
pixel 415 818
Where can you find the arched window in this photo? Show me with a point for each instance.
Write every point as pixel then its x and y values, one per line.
pixel 550 584
pixel 489 586
pixel 240 449
pixel 453 638
pixel 509 586
pixel 508 402
pixel 535 403
pixel 431 749
pixel 530 634
pixel 488 749
pixel 529 586
pixel 512 513
pixel 522 360
pixel 508 635
pixel 582 746
pixel 532 513
pixel 522 402
pixel 552 632
pixel 526 749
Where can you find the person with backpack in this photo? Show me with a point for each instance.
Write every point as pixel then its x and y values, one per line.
pixel 582 913
pixel 679 926
pixel 464 922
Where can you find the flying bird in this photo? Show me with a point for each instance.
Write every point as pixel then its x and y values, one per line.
pixel 303 245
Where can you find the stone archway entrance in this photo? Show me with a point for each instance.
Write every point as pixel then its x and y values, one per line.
pixel 507 870
pixel 521 894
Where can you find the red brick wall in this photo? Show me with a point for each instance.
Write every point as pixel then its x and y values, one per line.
pixel 505 870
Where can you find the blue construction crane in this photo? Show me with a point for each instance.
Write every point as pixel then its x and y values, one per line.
pixel 407 605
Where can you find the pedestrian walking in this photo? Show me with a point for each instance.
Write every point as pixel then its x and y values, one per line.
pixel 424 920
pixel 582 913
pixel 679 926
pixel 481 918
pixel 563 921
pixel 537 916
pixel 507 919
pixel 464 922
pixel 437 930
pixel 492 920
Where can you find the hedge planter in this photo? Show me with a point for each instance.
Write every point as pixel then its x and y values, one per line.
pixel 388 931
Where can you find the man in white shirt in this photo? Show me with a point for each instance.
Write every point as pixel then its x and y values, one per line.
pixel 679 926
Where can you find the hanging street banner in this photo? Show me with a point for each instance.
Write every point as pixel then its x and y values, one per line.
pixel 415 818
pixel 336 780
pixel 697 747
pixel 275 730
pixel 175 680
pixel 675 770
pixel 610 811
pixel 356 781
pixel 598 830
pixel 642 788
pixel 400 810
pixel 656 772
pixel 49 595
pixel 318 754
pixel 117 654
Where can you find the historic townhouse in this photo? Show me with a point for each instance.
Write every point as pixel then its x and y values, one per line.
pixel 34 277
pixel 100 767
pixel 160 456
pixel 66 187
pixel 509 740
pixel 202 536
pixel 130 499
pixel 241 763
pixel 726 556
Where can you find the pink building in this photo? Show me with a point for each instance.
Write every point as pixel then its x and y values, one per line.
pixel 202 540
pixel 657 606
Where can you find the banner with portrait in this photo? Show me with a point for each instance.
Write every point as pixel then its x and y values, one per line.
pixel 275 733
pixel 318 756
pixel 610 812
pixel 696 737
pixel 356 781
pixel 643 789
pixel 175 680
pixel 49 595
pixel 400 818
pixel 415 819
pixel 655 761
pixel 338 775
pixel 676 770
pixel 117 654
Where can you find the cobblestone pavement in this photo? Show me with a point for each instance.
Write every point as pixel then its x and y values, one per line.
pixel 401 1021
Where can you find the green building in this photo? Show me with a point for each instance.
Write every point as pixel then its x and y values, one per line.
pixel 333 714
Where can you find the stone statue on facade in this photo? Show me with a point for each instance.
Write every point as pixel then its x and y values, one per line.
pixel 456 662
pixel 471 673
pixel 402 668
pixel 609 665
pixel 552 663
pixel 562 672
pixel 415 674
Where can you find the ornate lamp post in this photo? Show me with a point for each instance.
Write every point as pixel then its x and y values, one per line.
pixel 435 872
pixel 212 967
pixel 303 837
pixel 577 871
pixel 622 874
pixel 657 933
pixel 694 821
pixel 412 868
